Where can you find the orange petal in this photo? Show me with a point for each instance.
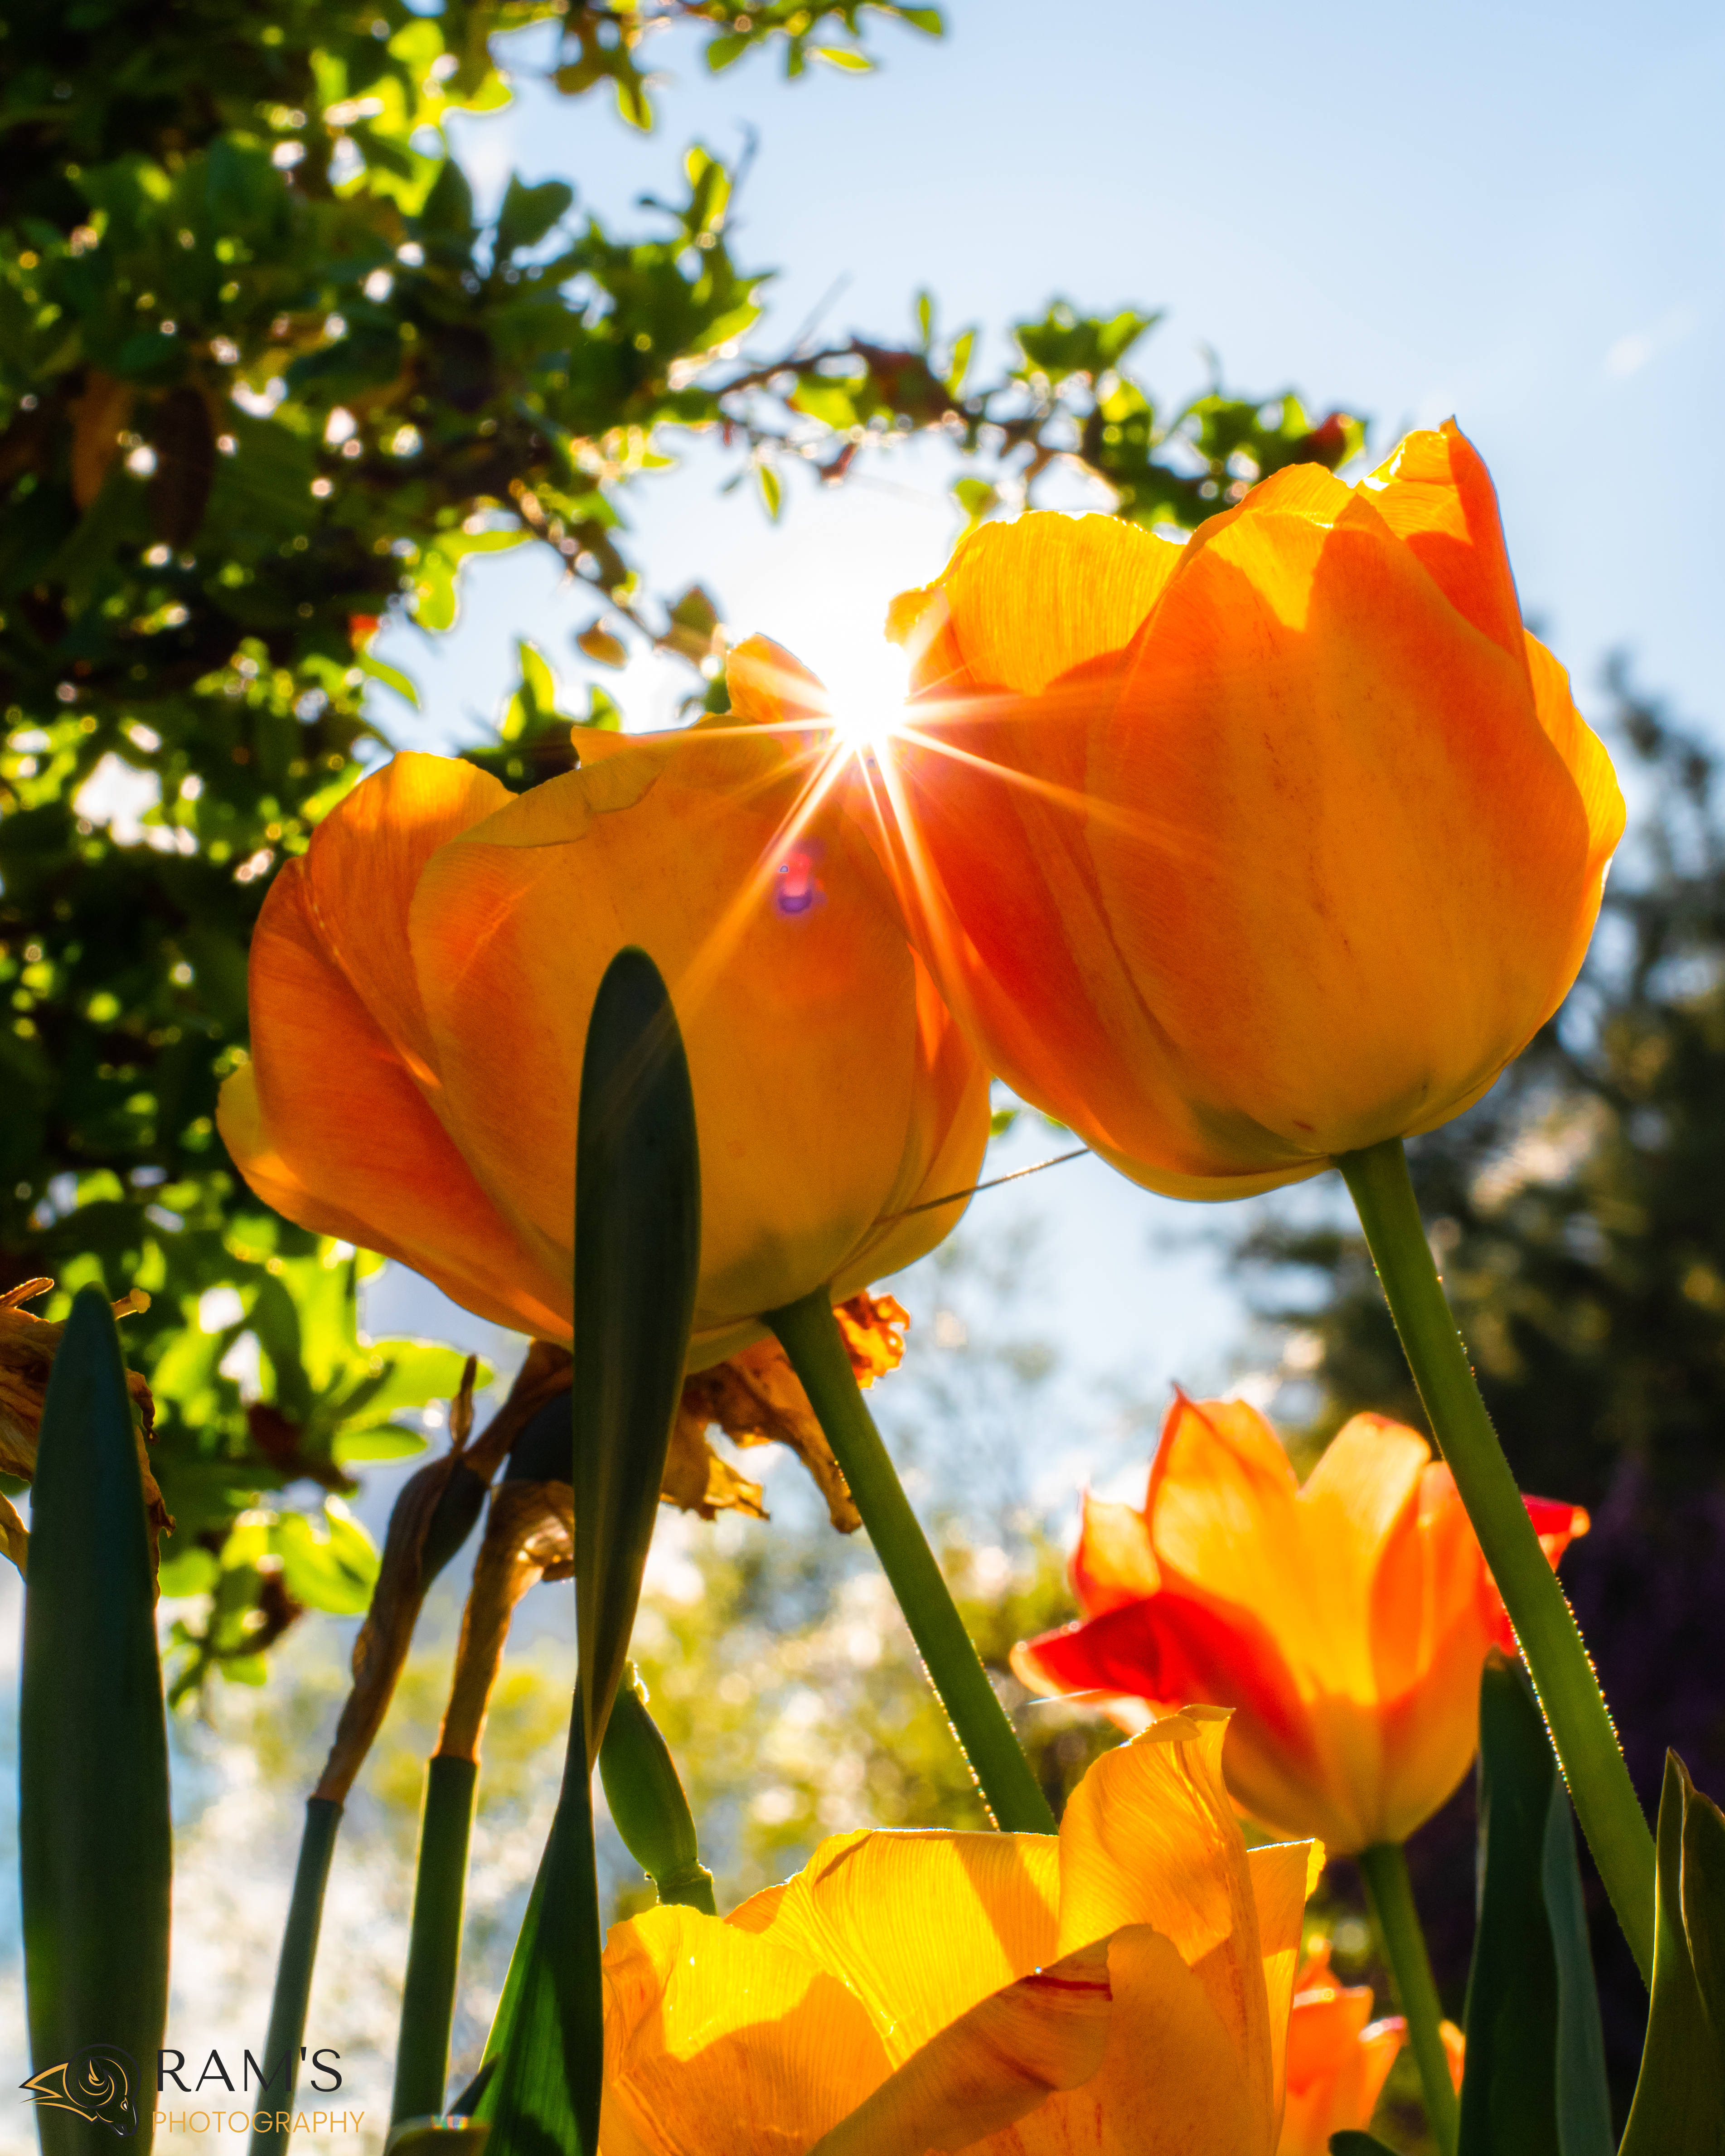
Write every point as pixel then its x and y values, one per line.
pixel 923 1926
pixel 1321 928
pixel 363 863
pixel 326 1126
pixel 1028 601
pixel 674 847
pixel 982 2073
pixel 1149 1837
pixel 1113 1564
pixel 706 2022
pixel 1435 493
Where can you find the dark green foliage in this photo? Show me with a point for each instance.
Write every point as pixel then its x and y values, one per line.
pixel 1535 2084
pixel 1680 2099
pixel 93 1827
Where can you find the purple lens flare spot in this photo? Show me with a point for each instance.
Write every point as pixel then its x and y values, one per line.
pixel 797 884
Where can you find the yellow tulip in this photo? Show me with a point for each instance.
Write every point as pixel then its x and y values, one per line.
pixel 421 981
pixel 1123 1988
pixel 1240 855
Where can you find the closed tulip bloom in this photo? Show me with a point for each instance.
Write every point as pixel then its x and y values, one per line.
pixel 1346 1621
pixel 1338 2059
pixel 1240 855
pixel 421 981
pixel 1122 1988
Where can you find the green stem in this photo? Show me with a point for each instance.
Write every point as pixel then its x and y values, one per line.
pixel 1551 1643
pixel 810 1334
pixel 1384 1868
pixel 293 1971
pixel 428 2003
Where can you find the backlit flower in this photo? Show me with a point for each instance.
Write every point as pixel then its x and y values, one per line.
pixel 1238 855
pixel 1123 1988
pixel 1346 1621
pixel 421 981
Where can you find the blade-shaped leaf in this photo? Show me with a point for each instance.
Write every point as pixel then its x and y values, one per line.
pixel 1679 2108
pixel 1535 2084
pixel 93 1787
pixel 636 1255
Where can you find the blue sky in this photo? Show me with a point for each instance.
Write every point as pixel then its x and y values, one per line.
pixel 1512 214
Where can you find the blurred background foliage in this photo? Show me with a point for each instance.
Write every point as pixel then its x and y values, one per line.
pixel 265 380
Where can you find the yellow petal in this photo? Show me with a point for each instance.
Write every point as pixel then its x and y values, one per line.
pixel 1028 601
pixel 1283 1875
pixel 1171 2082
pixel 1149 1837
pixel 713 2031
pixel 1002 2059
pixel 921 1926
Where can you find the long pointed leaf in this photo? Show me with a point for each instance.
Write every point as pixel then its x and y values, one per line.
pixel 637 1258
pixel 94 1837
pixel 1535 2084
pixel 1679 2108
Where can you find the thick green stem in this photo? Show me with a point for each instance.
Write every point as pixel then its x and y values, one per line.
pixel 428 2002
pixel 293 1971
pixel 810 1334
pixel 1551 1643
pixel 1385 1867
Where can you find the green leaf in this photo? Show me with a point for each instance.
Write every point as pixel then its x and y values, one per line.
pixel 771 489
pixel 528 213
pixel 93 1840
pixel 1535 2084
pixel 841 56
pixel 391 677
pixel 1679 2107
pixel 637 1257
pixel 334 1570
pixel 352 1447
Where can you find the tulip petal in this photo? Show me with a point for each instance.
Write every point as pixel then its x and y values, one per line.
pixel 518 918
pixel 1113 1564
pixel 1028 601
pixel 1149 1837
pixel 1351 883
pixel 327 1127
pixel 1171 2082
pixel 361 870
pixel 708 2024
pixel 770 687
pixel 1284 1874
pixel 1435 493
pixel 923 1926
pixel 1003 2058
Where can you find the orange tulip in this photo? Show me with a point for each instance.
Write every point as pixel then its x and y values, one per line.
pixel 1338 2059
pixel 421 981
pixel 1240 855
pixel 1346 1622
pixel 1120 1990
